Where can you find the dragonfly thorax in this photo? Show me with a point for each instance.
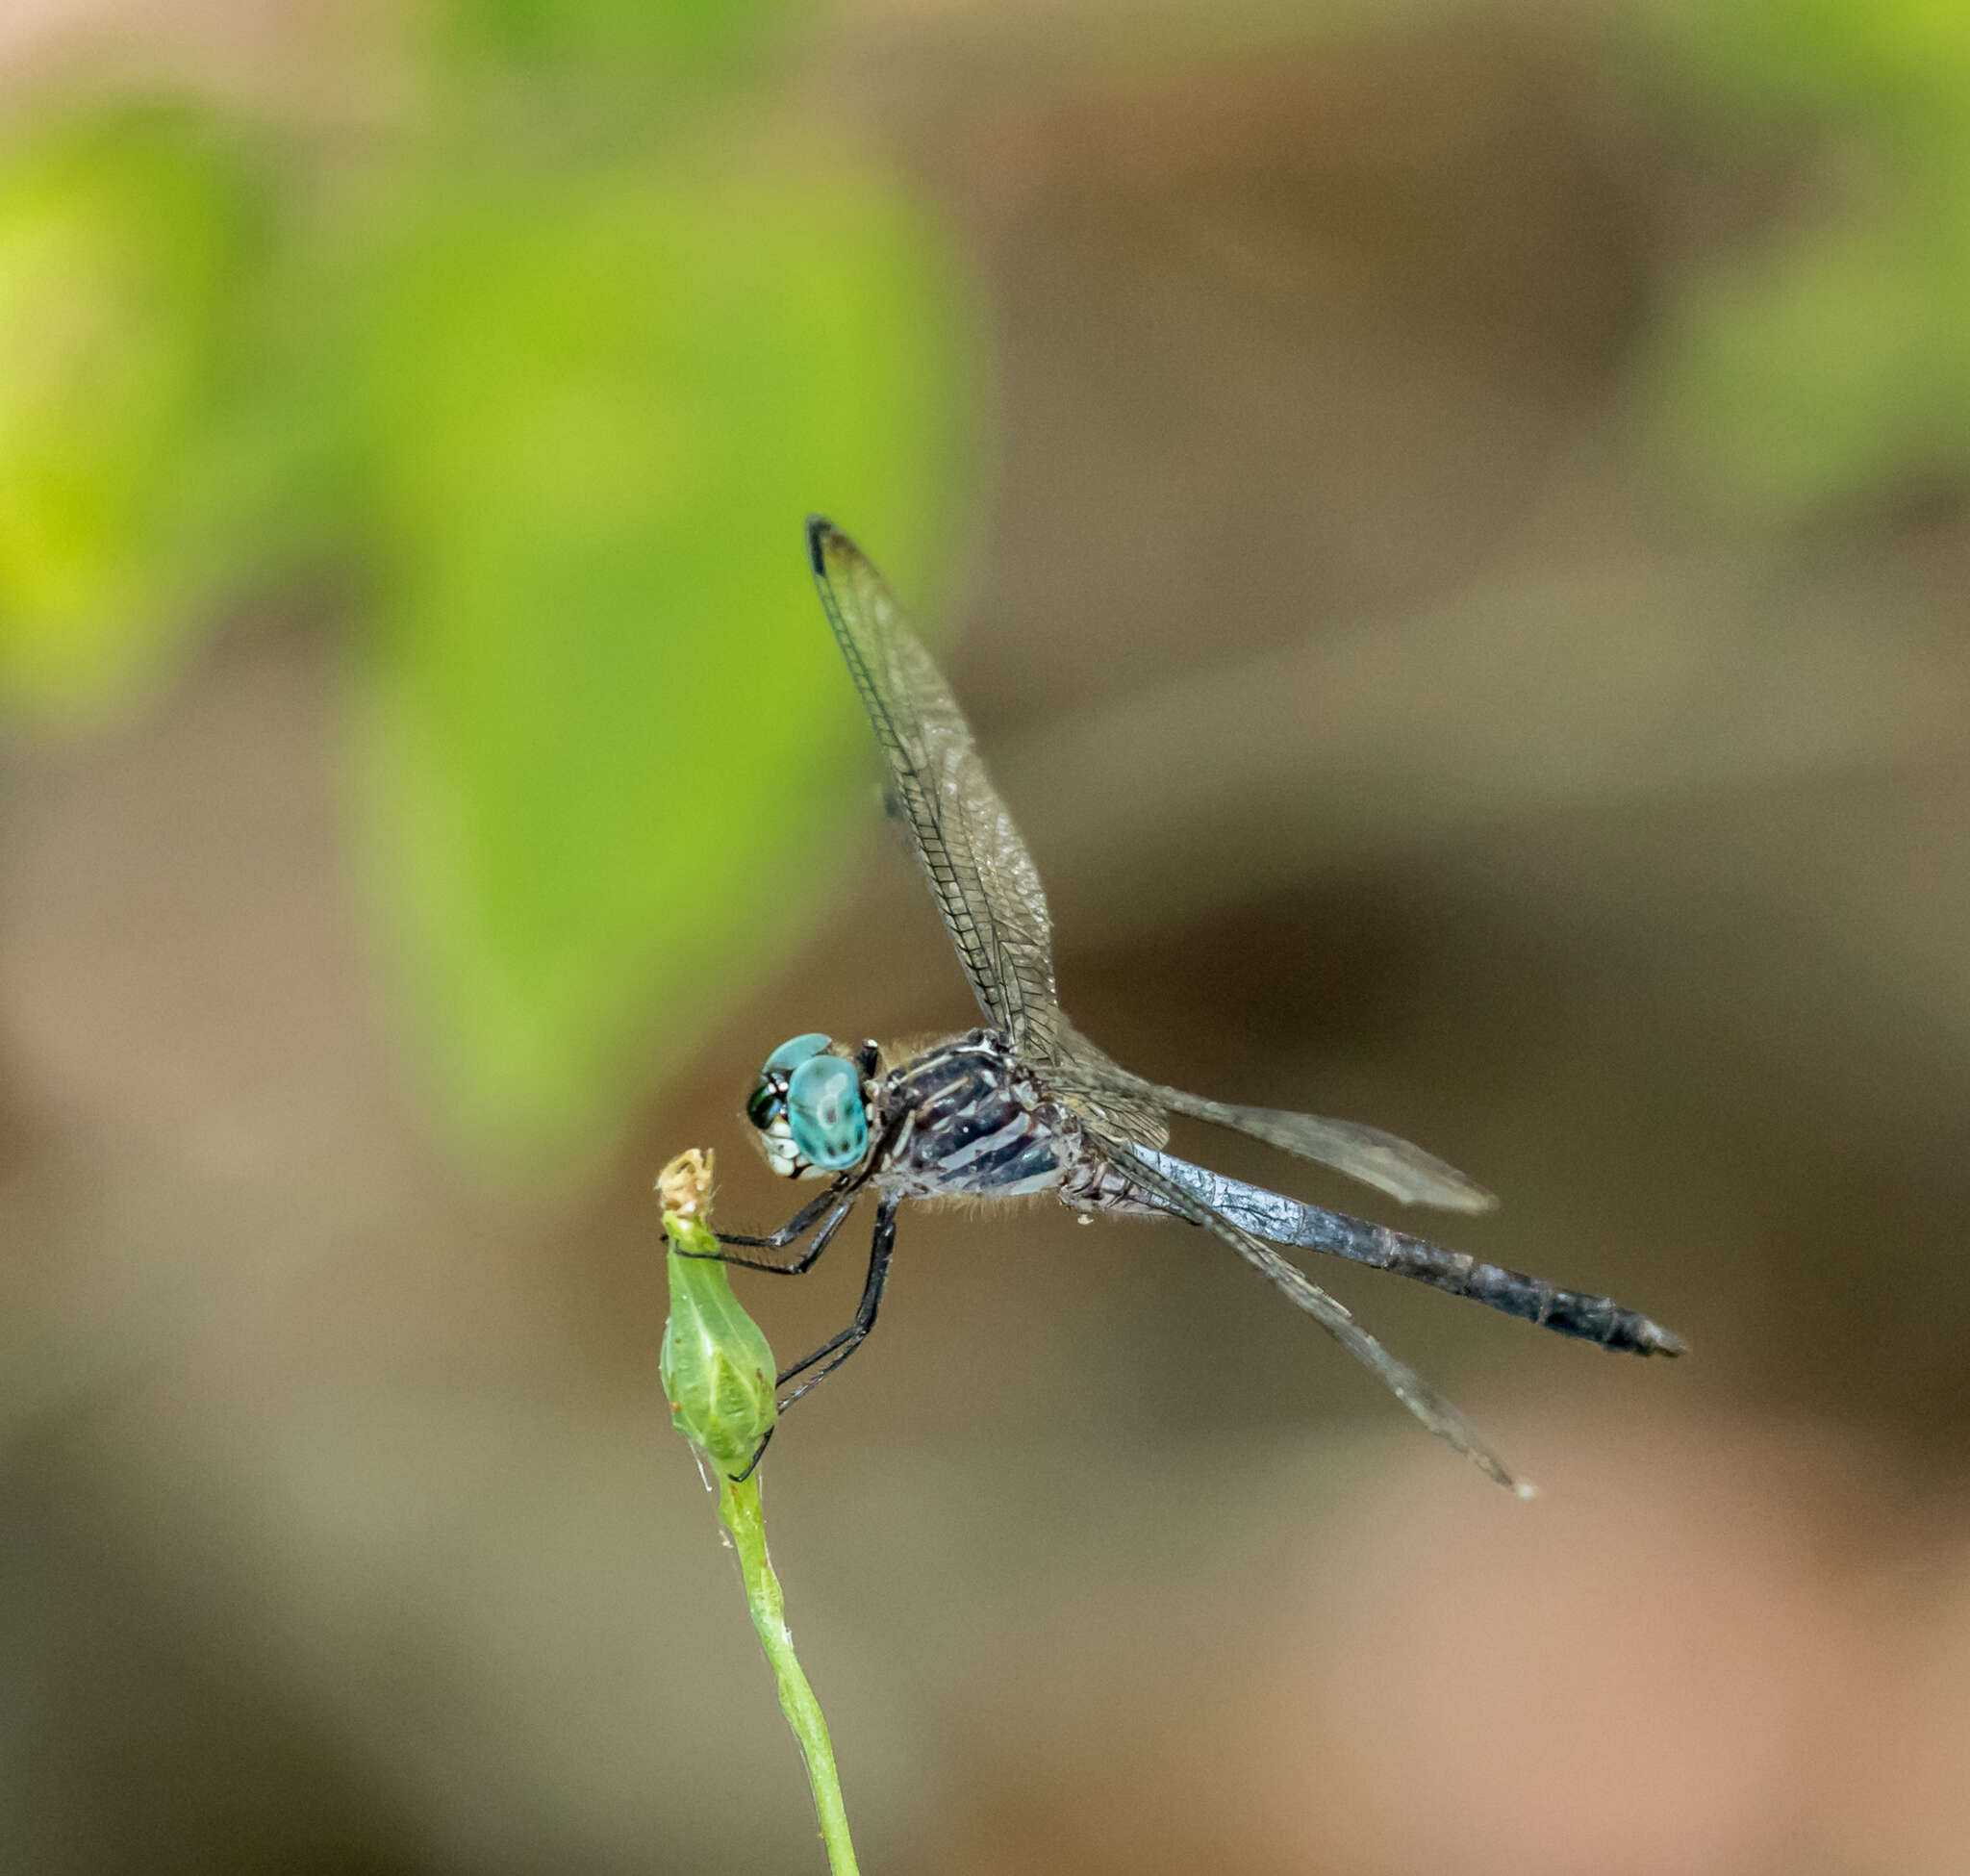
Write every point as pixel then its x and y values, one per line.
pixel 810 1108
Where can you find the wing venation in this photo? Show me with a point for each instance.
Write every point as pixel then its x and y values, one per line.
pixel 983 879
pixel 993 905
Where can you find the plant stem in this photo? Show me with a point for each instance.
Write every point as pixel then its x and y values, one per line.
pixel 718 1377
pixel 740 1509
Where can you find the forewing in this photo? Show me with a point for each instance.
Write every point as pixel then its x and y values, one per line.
pixel 1402 1380
pixel 995 908
pixel 983 878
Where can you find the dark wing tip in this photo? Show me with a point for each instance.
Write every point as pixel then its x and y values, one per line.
pixel 820 532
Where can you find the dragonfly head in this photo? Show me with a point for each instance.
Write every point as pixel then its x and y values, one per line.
pixel 809 1108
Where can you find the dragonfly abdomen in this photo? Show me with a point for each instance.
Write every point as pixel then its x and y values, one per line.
pixel 1598 1319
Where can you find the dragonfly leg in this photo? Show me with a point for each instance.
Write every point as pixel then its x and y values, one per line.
pixel 841 1193
pixel 837 1349
pixel 806 1261
pixel 797 1226
pixel 758 1454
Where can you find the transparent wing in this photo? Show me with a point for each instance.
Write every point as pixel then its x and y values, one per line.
pixel 1097 1086
pixel 984 881
pixel 1402 1380
pixel 995 908
pixel 1084 1077
pixel 1383 1160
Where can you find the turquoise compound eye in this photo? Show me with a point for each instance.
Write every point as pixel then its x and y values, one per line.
pixel 789 1055
pixel 825 1111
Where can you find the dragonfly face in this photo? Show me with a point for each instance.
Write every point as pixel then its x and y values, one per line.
pixel 809 1109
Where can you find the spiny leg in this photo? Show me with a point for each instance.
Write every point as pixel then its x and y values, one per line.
pixel 810 1256
pixel 841 1347
pixel 842 1190
pixel 758 1454
pixel 851 1338
pixel 872 1290
pixel 795 1226
pixel 805 1261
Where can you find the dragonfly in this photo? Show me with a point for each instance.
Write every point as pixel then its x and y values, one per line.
pixel 1025 1104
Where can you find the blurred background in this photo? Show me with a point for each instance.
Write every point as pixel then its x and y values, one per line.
pixel 1449 520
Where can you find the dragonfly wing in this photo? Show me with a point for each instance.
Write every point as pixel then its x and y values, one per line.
pixel 995 908
pixel 1083 1075
pixel 983 878
pixel 1383 1160
pixel 1117 1104
pixel 1402 1380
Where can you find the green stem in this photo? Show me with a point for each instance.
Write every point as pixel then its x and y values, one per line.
pixel 739 1507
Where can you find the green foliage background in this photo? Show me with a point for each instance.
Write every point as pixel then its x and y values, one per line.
pixel 546 384
pixel 1832 359
pixel 541 380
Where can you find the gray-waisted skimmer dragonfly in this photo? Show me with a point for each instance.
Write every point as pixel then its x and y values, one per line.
pixel 1027 1105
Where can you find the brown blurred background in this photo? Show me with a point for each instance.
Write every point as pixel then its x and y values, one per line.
pixel 1449 525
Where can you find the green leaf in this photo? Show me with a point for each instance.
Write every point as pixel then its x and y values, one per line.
pixel 125 241
pixel 1887 58
pixel 599 408
pixel 663 41
pixel 1836 360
